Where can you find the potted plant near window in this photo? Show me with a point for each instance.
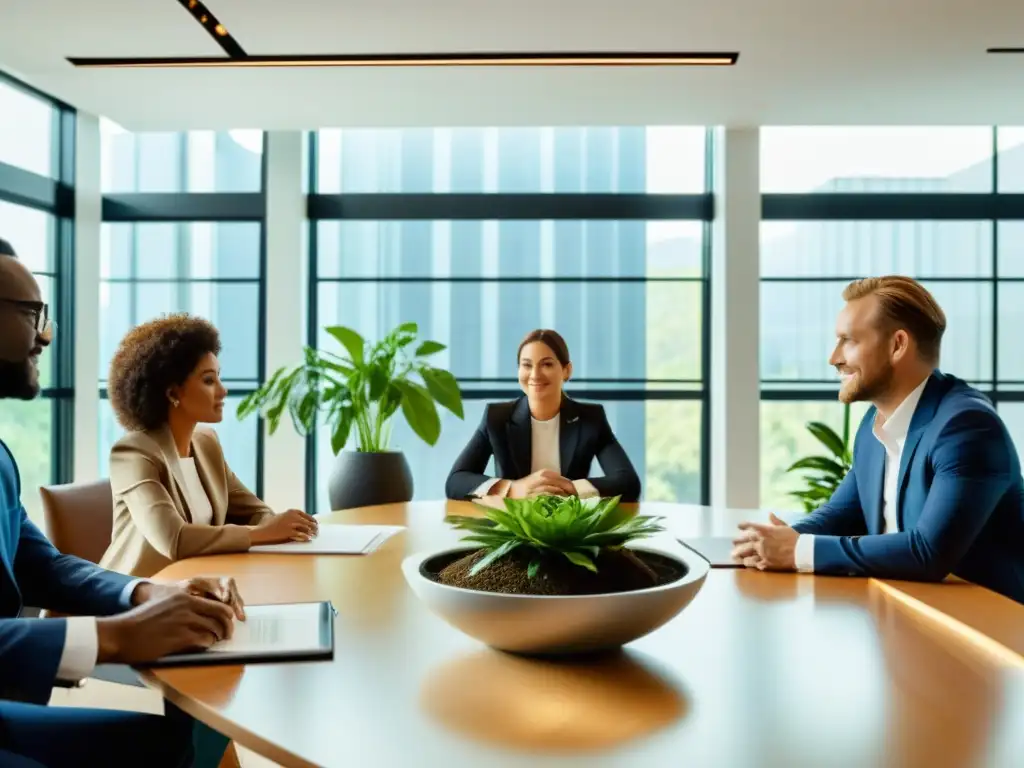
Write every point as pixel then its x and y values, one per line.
pixel 359 393
pixel 554 575
pixel 825 473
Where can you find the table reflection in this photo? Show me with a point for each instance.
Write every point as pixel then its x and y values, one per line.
pixel 532 704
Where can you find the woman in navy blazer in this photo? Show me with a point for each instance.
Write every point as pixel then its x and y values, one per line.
pixel 544 442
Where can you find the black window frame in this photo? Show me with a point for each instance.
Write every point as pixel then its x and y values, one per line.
pixel 479 206
pixel 54 196
pixel 206 207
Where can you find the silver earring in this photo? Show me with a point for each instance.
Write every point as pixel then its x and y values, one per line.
pixel 175 402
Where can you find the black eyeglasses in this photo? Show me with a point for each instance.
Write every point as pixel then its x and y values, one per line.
pixel 39 311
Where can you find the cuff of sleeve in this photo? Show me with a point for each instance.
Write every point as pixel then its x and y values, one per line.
pixel 585 489
pixel 804 555
pixel 127 592
pixel 486 487
pixel 81 647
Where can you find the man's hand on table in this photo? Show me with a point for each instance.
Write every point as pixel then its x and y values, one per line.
pixel 170 618
pixel 766 546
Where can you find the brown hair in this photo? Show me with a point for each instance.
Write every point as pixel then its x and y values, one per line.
pixel 905 304
pixel 552 338
pixel 152 358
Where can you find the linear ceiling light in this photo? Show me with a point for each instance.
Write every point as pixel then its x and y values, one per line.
pixel 644 59
pixel 212 25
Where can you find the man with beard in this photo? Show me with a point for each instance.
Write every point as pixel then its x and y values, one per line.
pixel 935 487
pixel 115 619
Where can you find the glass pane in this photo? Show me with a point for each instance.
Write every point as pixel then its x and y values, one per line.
pixel 440 249
pixel 193 161
pixel 861 248
pixel 876 159
pixel 1011 323
pixel 31 232
pixel 1011 159
pixel 785 439
pixel 662 159
pixel 671 461
pixel 181 251
pixel 614 330
pixel 26 426
pixel 1013 416
pixel 661 438
pixel 232 307
pixel 26 131
pixel 798 329
pixel 238 438
pixel 1011 248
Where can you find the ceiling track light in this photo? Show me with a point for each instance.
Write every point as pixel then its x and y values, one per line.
pixel 1005 50
pixel 214 28
pixel 538 59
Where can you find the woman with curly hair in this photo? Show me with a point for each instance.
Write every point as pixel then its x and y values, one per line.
pixel 174 494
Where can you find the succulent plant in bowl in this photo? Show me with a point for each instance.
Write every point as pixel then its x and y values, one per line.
pixel 555 545
pixel 555 576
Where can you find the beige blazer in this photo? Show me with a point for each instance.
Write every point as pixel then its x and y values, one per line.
pixel 152 523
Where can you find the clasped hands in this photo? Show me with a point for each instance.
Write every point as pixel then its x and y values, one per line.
pixel 766 546
pixel 543 482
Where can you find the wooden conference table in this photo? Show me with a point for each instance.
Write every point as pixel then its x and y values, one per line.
pixel 762 669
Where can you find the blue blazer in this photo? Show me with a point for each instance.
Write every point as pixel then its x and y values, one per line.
pixel 960 502
pixel 32 571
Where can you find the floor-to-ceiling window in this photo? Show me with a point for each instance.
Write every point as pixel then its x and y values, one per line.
pixel 845 203
pixel 36 209
pixel 480 235
pixel 183 232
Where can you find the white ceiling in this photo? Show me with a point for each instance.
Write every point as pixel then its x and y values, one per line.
pixel 810 62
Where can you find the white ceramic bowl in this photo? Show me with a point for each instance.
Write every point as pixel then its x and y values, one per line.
pixel 543 624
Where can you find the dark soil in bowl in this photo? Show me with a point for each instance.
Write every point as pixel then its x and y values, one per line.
pixel 623 570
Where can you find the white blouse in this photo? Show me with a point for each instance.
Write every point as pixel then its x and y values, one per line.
pixel 545 453
pixel 198 501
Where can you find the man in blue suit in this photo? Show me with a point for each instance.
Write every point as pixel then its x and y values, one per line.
pixel 935 487
pixel 116 619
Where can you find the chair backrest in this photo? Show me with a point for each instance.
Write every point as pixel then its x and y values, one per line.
pixel 79 518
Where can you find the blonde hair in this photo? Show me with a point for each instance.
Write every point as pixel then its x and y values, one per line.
pixel 905 304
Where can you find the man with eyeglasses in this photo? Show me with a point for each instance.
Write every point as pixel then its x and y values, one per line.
pixel 114 618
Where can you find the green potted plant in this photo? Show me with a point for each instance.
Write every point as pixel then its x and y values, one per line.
pixel 358 393
pixel 824 473
pixel 554 574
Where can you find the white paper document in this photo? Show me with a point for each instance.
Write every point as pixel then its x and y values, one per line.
pixel 270 633
pixel 292 628
pixel 336 540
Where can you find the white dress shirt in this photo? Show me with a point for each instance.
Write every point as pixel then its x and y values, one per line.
pixel 892 434
pixel 545 453
pixel 198 501
pixel 82 642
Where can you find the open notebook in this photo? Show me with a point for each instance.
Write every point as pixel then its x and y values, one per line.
pixel 717 550
pixel 335 539
pixel 270 633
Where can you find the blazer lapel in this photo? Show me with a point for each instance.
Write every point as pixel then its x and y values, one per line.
pixel 165 440
pixel 923 415
pixel 519 437
pixel 875 485
pixel 205 468
pixel 568 435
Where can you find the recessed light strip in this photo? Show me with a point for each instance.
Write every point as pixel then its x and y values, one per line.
pixel 582 59
pixel 215 29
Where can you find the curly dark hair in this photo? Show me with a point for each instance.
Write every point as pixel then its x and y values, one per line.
pixel 152 358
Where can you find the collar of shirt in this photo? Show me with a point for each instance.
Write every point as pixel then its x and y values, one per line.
pixel 892 432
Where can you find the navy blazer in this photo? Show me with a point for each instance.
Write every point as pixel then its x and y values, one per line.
pixel 583 434
pixel 960 499
pixel 32 571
